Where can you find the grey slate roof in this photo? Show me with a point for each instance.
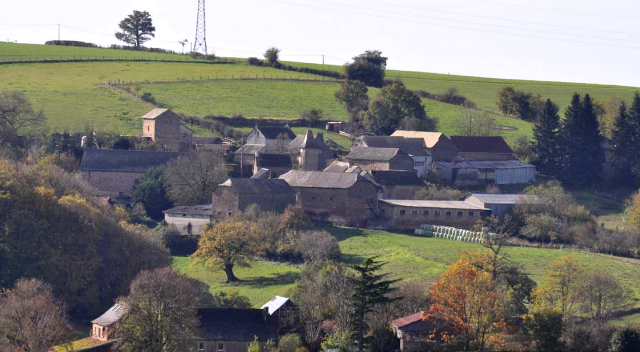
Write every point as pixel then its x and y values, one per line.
pixel 124 160
pixel 157 112
pixel 272 132
pixel 411 146
pixel 495 145
pixel 373 154
pixel 250 149
pixel 204 209
pixel 505 198
pixel 319 179
pixel 274 160
pixel 396 178
pixel 256 186
pixel 229 324
pixel 261 174
pixel 115 313
pixel 337 166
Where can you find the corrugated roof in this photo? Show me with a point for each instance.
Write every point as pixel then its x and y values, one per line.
pixel 229 324
pixel 124 160
pixel 272 132
pixel 504 164
pixel 374 154
pixel 256 186
pixel 443 204
pixel 505 198
pixel 481 145
pixel 115 313
pixel 204 209
pixel 274 304
pixel 430 138
pixel 319 179
pixel 274 160
pixel 396 178
pixel 411 146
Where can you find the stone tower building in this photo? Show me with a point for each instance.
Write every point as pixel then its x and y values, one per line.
pixel 166 129
pixel 310 154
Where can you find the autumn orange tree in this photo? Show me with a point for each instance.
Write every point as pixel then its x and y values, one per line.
pixel 467 306
pixel 561 288
pixel 231 242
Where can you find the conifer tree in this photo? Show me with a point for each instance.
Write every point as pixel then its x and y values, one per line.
pixel 370 290
pixel 583 155
pixel 546 145
pixel 623 141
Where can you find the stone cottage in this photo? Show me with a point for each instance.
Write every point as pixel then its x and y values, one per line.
pixel 236 194
pixel 310 151
pixel 166 129
pixel 413 333
pixel 439 145
pixel 380 159
pixel 332 197
pixel 114 172
pixel 414 147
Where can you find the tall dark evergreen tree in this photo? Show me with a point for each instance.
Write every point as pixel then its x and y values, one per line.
pixel 371 289
pixel 583 154
pixel 623 140
pixel 546 145
pixel 151 193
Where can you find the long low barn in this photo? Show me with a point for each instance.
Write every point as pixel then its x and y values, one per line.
pixel 474 173
pixel 410 214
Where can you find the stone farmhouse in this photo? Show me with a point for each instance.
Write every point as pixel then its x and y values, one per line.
pixel 189 220
pixel 113 173
pixel 276 139
pixel 167 129
pixel 414 147
pixel 338 198
pixel 410 214
pixel 236 194
pixel 380 159
pixel 439 145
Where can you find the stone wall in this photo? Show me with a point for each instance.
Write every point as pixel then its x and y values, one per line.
pixel 409 218
pixel 226 203
pixel 182 223
pixel 112 183
pixel 400 192
pixel 444 150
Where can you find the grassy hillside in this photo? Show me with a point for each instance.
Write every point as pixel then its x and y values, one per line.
pixel 13 52
pixel 408 257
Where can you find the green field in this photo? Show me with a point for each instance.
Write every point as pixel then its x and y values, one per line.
pixel 408 257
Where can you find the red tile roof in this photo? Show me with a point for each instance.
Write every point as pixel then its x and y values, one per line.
pixel 409 319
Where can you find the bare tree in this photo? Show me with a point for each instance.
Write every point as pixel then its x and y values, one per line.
pixel 31 319
pixel 602 295
pixel 476 123
pixel 281 146
pixel 18 120
pixel 319 245
pixel 161 311
pixel 191 179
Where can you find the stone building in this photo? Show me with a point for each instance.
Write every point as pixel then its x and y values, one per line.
pixel 395 184
pixel 380 159
pixel 229 330
pixel 114 172
pixel 413 333
pixel 276 139
pixel 439 145
pixel 414 147
pixel 310 151
pixel 338 198
pixel 410 214
pixel 236 194
pixel 166 129
pixel 189 219
pixel 482 148
pixel 276 164
pixel 105 327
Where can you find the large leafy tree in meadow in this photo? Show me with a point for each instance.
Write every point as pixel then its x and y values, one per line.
pixel 368 68
pixel 353 96
pixel 136 29
pixel 230 243
pixel 583 155
pixel 467 306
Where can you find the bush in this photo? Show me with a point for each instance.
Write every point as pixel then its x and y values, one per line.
pixel 289 343
pixel 624 340
pixel 546 330
pixel 319 245
pixel 148 97
pixel 436 192
pixel 254 61
pixel 542 228
pixel 71 43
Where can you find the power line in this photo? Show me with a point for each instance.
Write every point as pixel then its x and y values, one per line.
pixel 476 23
pixel 498 18
pixel 456 27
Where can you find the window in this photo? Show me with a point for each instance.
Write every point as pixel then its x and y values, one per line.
pixel 418 163
pixel 313 198
pixel 229 213
pixel 220 347
pixel 148 128
pixel 330 198
pixel 121 194
pixel 414 212
pixel 403 212
pixel 425 212
pixel 448 213
pixel 471 213
pixel 460 213
pixel 436 213
pixel 200 346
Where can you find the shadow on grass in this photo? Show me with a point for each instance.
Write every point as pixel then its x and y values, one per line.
pixel 342 234
pixel 353 258
pixel 277 279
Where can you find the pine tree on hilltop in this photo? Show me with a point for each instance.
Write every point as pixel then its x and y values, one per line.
pixel 622 139
pixel 546 145
pixel 583 154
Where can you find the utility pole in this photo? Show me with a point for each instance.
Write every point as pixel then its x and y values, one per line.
pixel 200 43
pixel 323 59
pixel 58 31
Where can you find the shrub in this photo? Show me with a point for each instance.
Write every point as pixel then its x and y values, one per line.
pixel 436 192
pixel 624 340
pixel 543 228
pixel 71 43
pixel 148 97
pixel 254 61
pixel 319 245
pixel 289 343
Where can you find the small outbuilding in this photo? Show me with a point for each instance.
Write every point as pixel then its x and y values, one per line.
pixel 413 333
pixel 105 327
pixel 500 204
pixel 189 219
pixel 410 214
pixel 480 173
